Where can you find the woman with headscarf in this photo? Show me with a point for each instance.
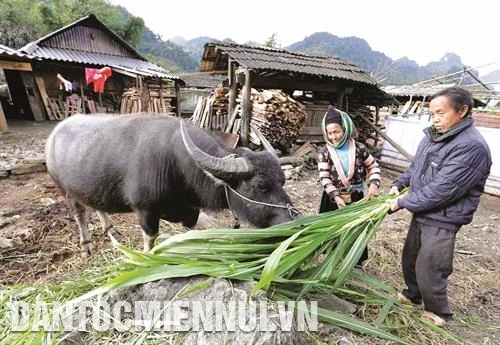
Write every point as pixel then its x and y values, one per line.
pixel 344 165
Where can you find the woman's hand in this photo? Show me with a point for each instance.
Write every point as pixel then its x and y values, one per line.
pixel 340 202
pixel 372 191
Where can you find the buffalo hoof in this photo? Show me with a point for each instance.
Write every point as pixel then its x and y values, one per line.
pixel 87 250
pixel 115 235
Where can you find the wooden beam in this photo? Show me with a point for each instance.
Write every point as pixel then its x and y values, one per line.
pixel 15 65
pixel 307 85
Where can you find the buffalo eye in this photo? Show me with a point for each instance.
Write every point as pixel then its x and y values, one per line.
pixel 263 187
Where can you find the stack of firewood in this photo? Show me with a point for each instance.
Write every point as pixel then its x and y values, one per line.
pixel 277 116
pixel 211 112
pixel 366 134
pixel 202 115
pixel 131 102
pixel 151 100
pixel 220 100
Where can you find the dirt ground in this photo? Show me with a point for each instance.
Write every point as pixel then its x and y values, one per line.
pixel 39 242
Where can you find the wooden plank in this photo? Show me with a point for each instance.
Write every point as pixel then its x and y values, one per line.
pixel 232 118
pixel 57 109
pixel 405 107
pixel 303 150
pixel 15 65
pixel 414 107
pixel 386 137
pixel 45 98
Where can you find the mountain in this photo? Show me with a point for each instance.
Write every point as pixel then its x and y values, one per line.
pixel 351 49
pixel 181 55
pixel 166 53
pixel 491 77
pixel 194 47
pixel 379 65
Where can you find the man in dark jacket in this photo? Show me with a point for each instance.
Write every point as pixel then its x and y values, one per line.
pixel 446 179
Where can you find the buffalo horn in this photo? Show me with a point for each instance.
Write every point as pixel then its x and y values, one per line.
pixel 222 168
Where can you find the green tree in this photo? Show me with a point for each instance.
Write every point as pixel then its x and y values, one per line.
pixel 133 29
pixel 20 22
pixel 271 42
pixel 59 13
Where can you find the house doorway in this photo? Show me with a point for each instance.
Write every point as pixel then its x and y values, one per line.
pixel 14 96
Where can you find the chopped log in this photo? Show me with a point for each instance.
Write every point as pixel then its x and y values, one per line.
pixel 303 150
pixel 291 160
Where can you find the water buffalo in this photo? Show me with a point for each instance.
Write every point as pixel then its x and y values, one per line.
pixel 159 167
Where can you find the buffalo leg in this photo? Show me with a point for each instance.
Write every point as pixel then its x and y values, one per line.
pixel 86 246
pixel 190 217
pixel 107 226
pixel 150 222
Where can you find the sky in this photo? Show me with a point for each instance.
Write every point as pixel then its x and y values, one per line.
pixel 422 30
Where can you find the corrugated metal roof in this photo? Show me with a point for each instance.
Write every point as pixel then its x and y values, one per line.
pixel 7 51
pixel 138 65
pixel 202 80
pixel 415 90
pixel 260 58
pixel 87 21
pixel 134 72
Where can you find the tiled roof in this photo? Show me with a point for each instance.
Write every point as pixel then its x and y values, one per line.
pixel 259 58
pixel 415 90
pixel 202 80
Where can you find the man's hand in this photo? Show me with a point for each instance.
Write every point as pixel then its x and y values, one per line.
pixel 394 190
pixel 394 205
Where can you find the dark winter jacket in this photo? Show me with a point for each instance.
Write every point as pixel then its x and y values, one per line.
pixel 447 176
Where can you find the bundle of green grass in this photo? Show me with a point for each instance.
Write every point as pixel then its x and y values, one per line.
pixel 313 254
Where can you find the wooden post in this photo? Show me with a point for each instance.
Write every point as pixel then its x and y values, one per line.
pixel 340 99
pixel 233 87
pixel 162 106
pixel 246 113
pixel 43 94
pixel 377 118
pixel 83 96
pixel 3 121
pixel 178 99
